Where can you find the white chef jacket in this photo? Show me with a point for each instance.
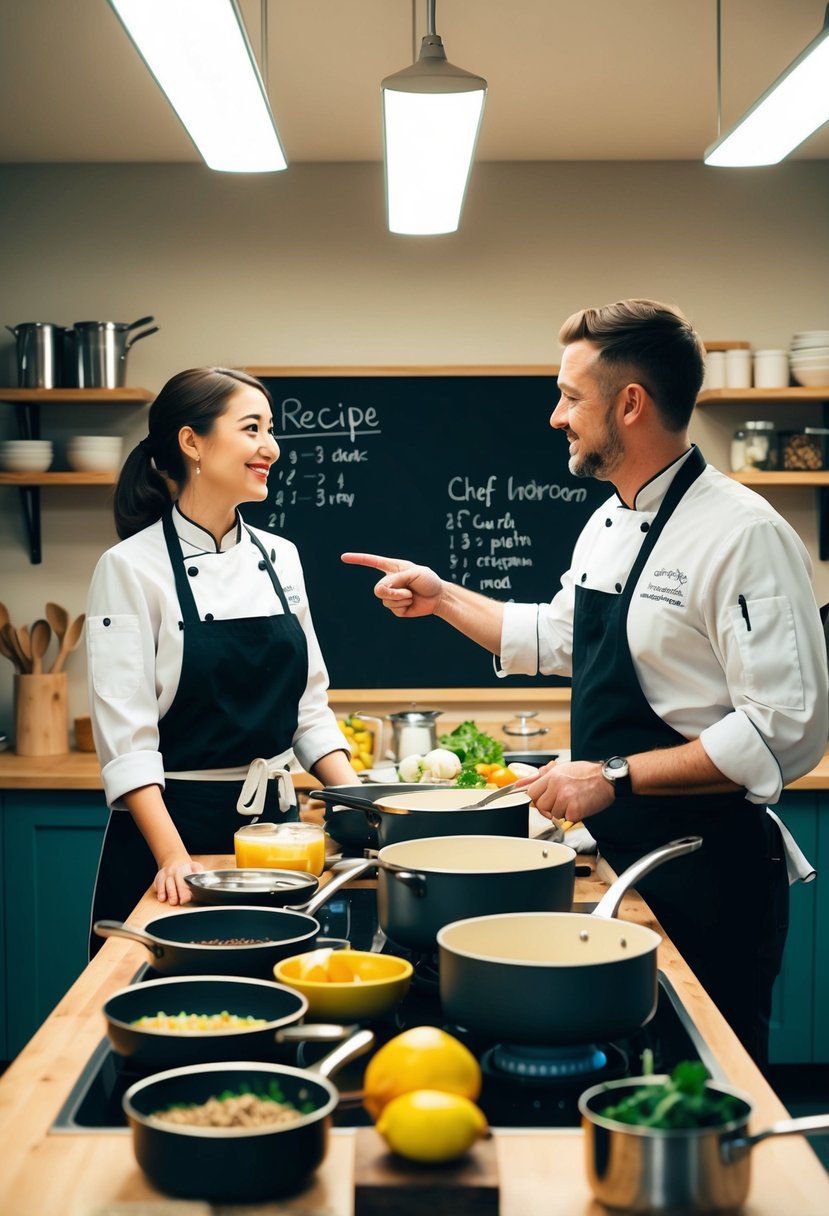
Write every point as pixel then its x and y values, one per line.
pixel 756 699
pixel 135 663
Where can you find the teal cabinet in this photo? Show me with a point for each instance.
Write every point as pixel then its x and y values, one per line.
pixel 49 848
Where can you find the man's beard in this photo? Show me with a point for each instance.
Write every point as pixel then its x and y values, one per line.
pixel 602 461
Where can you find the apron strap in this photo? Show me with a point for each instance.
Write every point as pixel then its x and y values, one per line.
pixel 277 586
pixel 184 591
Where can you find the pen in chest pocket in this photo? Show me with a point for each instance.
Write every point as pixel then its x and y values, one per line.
pixel 741 600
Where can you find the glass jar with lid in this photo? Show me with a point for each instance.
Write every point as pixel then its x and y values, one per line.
pixel 760 450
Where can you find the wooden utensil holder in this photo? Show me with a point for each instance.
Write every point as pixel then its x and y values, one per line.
pixel 42 722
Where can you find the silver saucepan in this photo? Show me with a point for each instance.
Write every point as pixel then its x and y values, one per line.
pixel 555 977
pixel 646 1169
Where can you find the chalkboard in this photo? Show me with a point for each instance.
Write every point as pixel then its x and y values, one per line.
pixel 455 468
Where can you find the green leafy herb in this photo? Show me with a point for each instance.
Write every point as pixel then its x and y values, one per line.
pixel 472 746
pixel 468 779
pixel 683 1101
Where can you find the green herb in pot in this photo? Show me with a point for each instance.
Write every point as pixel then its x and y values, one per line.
pixel 682 1102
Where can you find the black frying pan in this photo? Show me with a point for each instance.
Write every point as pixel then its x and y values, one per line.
pixel 150 1050
pixel 175 941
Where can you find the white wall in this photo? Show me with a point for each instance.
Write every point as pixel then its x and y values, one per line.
pixel 297 268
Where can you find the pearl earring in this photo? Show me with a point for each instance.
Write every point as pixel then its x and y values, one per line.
pixel 198 466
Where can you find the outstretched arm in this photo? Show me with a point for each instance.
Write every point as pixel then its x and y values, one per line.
pixel 410 590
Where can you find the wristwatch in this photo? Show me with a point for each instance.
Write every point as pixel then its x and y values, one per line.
pixel 616 770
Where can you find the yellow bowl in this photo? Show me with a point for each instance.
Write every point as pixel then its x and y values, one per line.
pixel 381 980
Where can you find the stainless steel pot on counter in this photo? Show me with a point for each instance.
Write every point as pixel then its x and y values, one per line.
pixel 97 351
pixel 646 1169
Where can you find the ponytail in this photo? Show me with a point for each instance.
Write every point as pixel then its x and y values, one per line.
pixel 141 495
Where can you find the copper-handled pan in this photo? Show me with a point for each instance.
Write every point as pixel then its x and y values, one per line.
pixel 555 977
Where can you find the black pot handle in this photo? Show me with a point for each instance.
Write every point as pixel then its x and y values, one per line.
pixel 415 882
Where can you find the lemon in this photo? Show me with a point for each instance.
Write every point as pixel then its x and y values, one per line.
pixel 423 1057
pixel 314 965
pixel 430 1125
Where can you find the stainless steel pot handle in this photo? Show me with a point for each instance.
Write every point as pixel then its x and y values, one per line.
pixel 357 1045
pixel 342 876
pixel 316 1032
pixel 117 928
pixel 608 905
pixel 808 1125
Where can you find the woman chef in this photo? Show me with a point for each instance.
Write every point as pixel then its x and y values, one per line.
pixel 202 652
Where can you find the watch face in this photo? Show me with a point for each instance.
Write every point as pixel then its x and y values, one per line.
pixel 617 763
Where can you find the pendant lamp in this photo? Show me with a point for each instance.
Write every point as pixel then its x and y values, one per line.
pixel 432 114
pixel 199 53
pixel 786 114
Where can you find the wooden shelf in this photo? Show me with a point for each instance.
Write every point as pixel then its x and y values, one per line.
pixel 73 396
pixel 58 479
pixel 28 402
pixel 728 396
pixel 819 478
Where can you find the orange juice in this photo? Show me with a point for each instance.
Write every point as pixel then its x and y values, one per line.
pixel 280 846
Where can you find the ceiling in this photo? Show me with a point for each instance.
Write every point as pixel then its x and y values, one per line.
pixel 568 79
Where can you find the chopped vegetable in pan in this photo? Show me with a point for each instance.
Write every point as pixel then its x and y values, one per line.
pixel 243 1109
pixel 198 1021
pixel 683 1101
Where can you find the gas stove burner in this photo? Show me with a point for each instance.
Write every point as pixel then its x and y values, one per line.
pixel 546 1063
pixel 426 974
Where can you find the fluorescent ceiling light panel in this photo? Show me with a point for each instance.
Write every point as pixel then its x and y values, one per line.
pixel 200 55
pixel 787 113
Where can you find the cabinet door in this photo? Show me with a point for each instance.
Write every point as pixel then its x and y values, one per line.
pixel 51 845
pixel 791 1040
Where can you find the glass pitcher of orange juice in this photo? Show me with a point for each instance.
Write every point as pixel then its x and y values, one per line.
pixel 280 846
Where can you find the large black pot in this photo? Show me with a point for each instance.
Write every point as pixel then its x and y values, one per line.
pixel 423 885
pixel 153 1049
pixel 346 822
pixel 422 811
pixel 555 977
pixel 236 1165
pixel 173 940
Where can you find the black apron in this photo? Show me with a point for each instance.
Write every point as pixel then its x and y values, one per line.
pixel 725 907
pixel 238 698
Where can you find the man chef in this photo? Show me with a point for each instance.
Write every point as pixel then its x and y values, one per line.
pixel 688 624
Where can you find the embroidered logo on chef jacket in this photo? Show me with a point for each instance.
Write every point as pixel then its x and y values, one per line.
pixel 666 584
pixel 290 595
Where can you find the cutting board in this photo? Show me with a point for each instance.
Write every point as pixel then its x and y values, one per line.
pixel 387 1183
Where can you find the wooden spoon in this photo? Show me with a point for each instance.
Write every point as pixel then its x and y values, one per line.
pixel 9 634
pixel 68 642
pixel 58 618
pixel 5 647
pixel 24 642
pixel 41 636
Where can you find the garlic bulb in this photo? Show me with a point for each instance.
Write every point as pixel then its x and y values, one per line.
pixel 441 765
pixel 410 769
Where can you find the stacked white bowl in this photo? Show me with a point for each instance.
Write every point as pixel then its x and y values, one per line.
pixel 26 455
pixel 809 357
pixel 94 453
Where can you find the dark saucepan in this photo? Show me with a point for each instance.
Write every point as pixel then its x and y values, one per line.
pixel 242 1165
pixel 421 811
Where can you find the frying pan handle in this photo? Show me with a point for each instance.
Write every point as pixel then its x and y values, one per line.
pixel 809 1125
pixel 333 799
pixel 117 928
pixel 357 1045
pixel 608 905
pixel 318 1032
pixel 342 876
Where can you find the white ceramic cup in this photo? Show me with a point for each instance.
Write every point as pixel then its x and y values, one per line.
pixel 714 370
pixel 771 369
pixel 738 369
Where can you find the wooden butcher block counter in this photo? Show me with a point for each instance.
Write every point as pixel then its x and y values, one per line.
pixel 541 1173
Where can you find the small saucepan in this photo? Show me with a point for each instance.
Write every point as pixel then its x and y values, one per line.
pixel 235 1165
pixel 345 822
pixel 423 885
pixel 236 940
pixel 150 1049
pixel 555 977
pixel 646 1169
pixel 440 811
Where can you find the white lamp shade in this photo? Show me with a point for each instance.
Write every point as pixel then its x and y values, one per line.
pixel 787 113
pixel 200 55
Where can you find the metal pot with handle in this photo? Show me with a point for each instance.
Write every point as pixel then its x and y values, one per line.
pixel 39 353
pixel 413 733
pixel 647 1169
pixel 555 977
pixel 439 811
pixel 100 350
pixel 422 885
